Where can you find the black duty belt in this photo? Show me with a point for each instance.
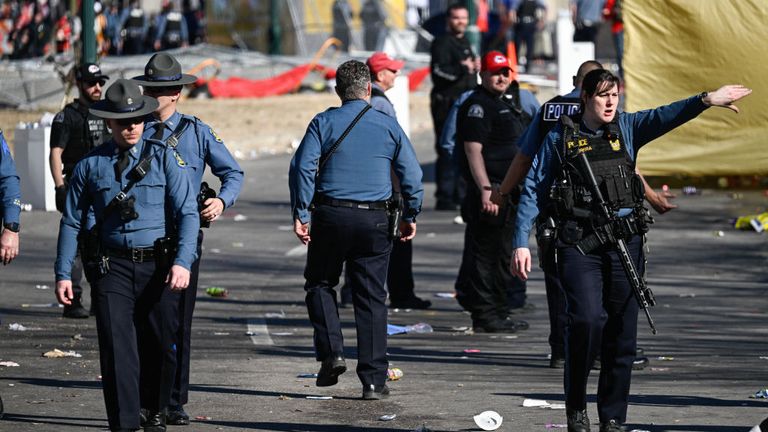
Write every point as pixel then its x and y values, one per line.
pixel 136 255
pixel 375 205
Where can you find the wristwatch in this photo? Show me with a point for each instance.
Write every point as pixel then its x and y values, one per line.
pixel 11 226
pixel 703 95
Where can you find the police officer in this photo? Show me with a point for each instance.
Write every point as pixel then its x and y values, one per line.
pixel 602 313
pixel 170 29
pixel 10 197
pixel 454 70
pixel 343 167
pixel 488 126
pixel 134 29
pixel 544 120
pixel 141 250
pixel 199 146
pixel 74 133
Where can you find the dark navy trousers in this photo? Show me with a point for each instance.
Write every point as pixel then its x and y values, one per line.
pixel 136 323
pixel 180 393
pixel 359 238
pixel 602 318
pixel 555 302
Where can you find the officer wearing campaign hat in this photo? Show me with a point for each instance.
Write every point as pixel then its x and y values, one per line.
pixel 488 126
pixel 199 145
pixel 139 254
pixel 74 133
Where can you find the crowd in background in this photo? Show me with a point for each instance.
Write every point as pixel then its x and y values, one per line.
pixel 36 28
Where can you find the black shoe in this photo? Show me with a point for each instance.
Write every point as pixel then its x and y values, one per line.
pixel 372 392
pixel 611 426
pixel 330 370
pixel 639 352
pixel 143 414
pixel 446 206
pixel 494 327
pixel 177 416
pixel 577 420
pixel 640 363
pixel 155 422
pixel 516 323
pixel 557 362
pixel 524 309
pixel 76 309
pixel 412 303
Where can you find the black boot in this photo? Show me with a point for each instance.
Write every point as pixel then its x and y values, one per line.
pixel 577 420
pixel 330 370
pixel 76 309
pixel 611 426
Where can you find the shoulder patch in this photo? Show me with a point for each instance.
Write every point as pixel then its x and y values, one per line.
pixel 215 136
pixel 476 111
pixel 59 118
pixel 179 160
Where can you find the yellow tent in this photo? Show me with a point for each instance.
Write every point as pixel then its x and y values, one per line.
pixel 678 48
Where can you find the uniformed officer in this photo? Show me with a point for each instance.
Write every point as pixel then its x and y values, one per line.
pixel 10 197
pixel 342 167
pixel 602 313
pixel 140 250
pixel 74 133
pixel 199 145
pixel 544 120
pixel 170 29
pixel 488 126
pixel 134 29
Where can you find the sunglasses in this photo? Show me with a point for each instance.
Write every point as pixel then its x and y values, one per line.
pixel 93 83
pixel 130 121
pixel 159 90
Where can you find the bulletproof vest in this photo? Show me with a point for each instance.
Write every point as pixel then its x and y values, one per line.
pixel 553 109
pixel 172 34
pixel 88 132
pixel 526 11
pixel 134 25
pixel 611 165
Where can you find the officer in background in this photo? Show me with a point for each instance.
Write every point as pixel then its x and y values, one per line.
pixel 170 29
pixel 488 126
pixel 454 70
pixel 74 133
pixel 544 120
pixel 343 169
pixel 10 197
pixel 140 250
pixel 199 146
pixel 134 29
pixel 602 314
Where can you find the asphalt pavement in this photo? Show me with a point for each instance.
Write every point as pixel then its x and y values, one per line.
pixel 250 348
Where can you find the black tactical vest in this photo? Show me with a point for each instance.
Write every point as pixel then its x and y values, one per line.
pixel 88 132
pixel 611 165
pixel 172 36
pixel 134 25
pixel 526 12
pixel 553 109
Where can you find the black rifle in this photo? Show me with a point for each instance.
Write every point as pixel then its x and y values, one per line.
pixel 606 233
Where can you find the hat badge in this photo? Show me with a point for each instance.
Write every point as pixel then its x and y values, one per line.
pixel 150 71
pixel 129 101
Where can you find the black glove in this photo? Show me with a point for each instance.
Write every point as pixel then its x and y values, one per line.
pixel 61 197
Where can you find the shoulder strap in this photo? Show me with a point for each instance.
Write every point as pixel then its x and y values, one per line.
pixel 173 140
pixel 336 145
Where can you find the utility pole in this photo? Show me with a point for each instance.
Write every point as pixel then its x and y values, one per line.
pixel 275 32
pixel 473 36
pixel 88 37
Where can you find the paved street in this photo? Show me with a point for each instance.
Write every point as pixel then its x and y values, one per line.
pixel 711 291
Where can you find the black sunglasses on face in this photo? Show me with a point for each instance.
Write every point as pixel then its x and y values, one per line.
pixel 93 83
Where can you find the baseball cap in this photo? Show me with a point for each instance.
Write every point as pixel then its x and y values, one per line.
pixel 90 72
pixel 495 61
pixel 380 61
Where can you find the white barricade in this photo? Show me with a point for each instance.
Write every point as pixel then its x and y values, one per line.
pixel 31 151
pixel 400 98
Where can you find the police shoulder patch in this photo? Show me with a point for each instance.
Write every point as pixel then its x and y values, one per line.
pixel 59 118
pixel 214 135
pixel 476 111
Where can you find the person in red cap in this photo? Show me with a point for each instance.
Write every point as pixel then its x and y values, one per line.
pixel 488 125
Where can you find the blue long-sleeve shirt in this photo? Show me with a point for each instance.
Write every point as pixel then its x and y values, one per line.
pixel 360 169
pixel 382 104
pixel 447 143
pixel 201 146
pixel 637 129
pixel 167 184
pixel 10 187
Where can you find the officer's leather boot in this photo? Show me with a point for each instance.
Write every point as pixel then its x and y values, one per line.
pixel 577 420
pixel 76 309
pixel 611 426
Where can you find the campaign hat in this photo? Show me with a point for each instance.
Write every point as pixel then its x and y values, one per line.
pixel 124 100
pixel 163 70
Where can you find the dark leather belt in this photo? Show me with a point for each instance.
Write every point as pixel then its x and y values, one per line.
pixel 135 255
pixel 375 205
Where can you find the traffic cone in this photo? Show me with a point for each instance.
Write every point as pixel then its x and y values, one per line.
pixel 512 57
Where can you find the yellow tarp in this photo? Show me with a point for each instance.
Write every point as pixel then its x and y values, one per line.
pixel 678 48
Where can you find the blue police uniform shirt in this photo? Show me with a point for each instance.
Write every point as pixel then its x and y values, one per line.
pixel 637 129
pixel 360 169
pixel 447 142
pixel 10 187
pixel 200 146
pixel 382 104
pixel 94 184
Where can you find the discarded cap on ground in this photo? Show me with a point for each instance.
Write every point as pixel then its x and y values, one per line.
pixel 488 420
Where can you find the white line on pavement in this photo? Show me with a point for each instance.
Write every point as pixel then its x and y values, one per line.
pixel 299 250
pixel 257 330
